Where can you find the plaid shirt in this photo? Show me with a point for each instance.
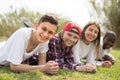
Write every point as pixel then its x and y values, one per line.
pixel 60 54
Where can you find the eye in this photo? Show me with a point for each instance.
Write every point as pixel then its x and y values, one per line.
pixel 50 32
pixel 75 37
pixel 44 28
pixel 69 34
pixel 96 32
pixel 90 29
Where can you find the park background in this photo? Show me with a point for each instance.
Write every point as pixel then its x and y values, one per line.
pixel 105 12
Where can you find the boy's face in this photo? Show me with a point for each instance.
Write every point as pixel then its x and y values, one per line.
pixel 108 42
pixel 45 31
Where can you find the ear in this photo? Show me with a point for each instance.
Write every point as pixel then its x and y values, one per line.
pixel 36 25
pixel 54 35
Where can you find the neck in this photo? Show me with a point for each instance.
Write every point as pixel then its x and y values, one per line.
pixel 63 45
pixel 33 39
pixel 86 42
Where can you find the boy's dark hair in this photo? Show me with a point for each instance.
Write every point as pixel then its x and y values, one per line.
pixel 49 17
pixel 110 34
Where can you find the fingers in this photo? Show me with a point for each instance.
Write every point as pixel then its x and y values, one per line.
pixel 54 71
pixel 91 67
pixel 106 64
pixel 52 67
pixel 87 68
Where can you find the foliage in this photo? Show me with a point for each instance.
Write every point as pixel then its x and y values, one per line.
pixel 109 12
pixel 10 22
pixel 102 73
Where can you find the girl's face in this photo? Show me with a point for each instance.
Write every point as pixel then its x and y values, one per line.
pixel 69 38
pixel 45 31
pixel 91 33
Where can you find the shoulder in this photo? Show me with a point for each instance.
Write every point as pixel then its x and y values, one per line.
pixel 43 47
pixel 23 31
pixel 80 42
pixel 77 45
pixel 55 39
pixel 45 43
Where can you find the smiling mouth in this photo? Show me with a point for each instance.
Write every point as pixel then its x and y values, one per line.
pixel 70 43
pixel 42 37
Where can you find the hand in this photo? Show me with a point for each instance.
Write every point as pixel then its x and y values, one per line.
pixel 107 64
pixel 108 58
pixel 112 62
pixel 51 67
pixel 87 68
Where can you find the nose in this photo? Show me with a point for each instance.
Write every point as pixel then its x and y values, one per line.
pixel 45 34
pixel 93 33
pixel 71 39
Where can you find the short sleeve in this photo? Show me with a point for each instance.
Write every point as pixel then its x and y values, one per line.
pixel 44 47
pixel 15 46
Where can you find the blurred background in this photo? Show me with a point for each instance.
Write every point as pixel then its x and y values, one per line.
pixel 105 12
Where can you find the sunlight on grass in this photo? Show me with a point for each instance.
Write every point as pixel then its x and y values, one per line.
pixel 102 73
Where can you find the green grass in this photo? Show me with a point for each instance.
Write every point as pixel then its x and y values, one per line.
pixel 102 73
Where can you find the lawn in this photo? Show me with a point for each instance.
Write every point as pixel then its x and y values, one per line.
pixel 102 73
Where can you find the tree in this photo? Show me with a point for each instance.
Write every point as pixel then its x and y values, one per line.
pixel 109 12
pixel 11 21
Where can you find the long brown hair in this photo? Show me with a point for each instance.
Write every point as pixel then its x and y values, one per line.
pixel 97 40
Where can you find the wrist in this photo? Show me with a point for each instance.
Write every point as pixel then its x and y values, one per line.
pixel 42 68
pixel 78 68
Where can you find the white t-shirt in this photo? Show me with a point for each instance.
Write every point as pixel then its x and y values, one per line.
pixel 81 50
pixel 103 52
pixel 14 49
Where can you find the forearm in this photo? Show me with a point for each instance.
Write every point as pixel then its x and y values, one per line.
pixel 86 68
pixel 42 59
pixel 78 68
pixel 25 68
